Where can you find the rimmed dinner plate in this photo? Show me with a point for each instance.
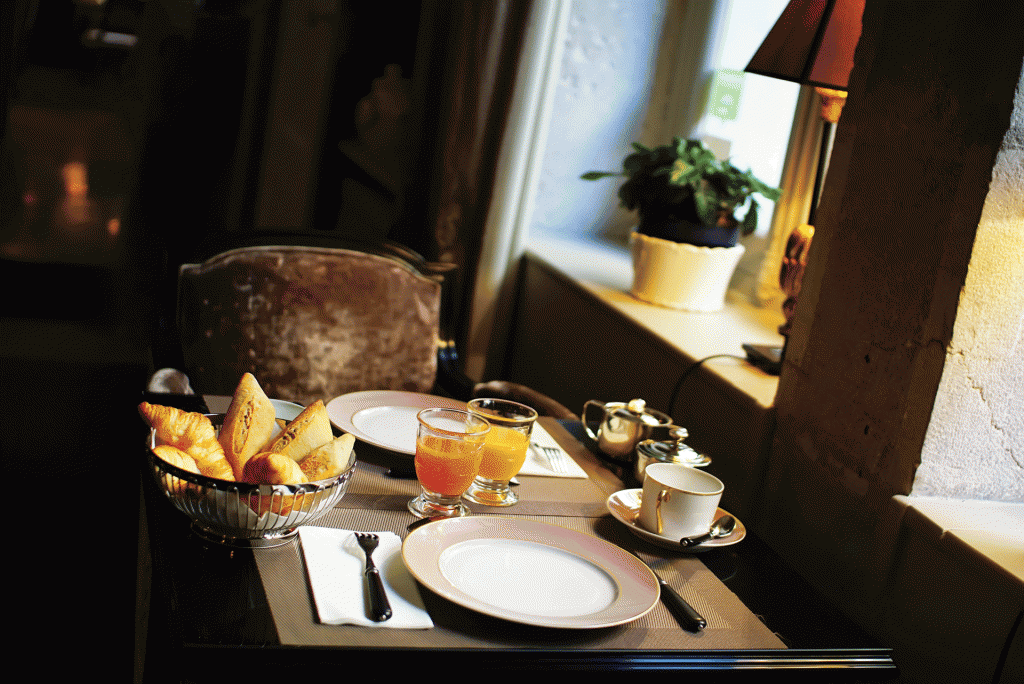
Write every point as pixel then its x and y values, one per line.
pixel 385 418
pixel 530 572
pixel 287 410
pixel 624 505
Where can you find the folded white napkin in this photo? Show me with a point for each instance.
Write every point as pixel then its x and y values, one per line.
pixel 537 463
pixel 335 564
pixel 169 381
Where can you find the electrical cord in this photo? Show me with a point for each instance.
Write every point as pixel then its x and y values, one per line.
pixel 694 366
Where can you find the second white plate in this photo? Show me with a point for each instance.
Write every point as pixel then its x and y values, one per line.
pixel 385 418
pixel 530 572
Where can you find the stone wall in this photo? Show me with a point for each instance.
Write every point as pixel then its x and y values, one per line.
pixel 929 106
pixel 926 123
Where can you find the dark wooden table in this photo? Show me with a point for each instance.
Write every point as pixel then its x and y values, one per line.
pixel 210 617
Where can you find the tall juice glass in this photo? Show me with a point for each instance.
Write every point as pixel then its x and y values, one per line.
pixel 504 450
pixel 448 452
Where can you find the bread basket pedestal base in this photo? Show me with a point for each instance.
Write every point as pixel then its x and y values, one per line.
pixel 268 541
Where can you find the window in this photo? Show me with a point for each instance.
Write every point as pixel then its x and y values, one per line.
pixel 596 76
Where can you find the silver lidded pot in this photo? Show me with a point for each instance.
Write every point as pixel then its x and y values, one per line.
pixel 673 451
pixel 623 426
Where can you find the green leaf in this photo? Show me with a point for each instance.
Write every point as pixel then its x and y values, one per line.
pixel 684 176
pixel 768 192
pixel 750 220
pixel 706 208
pixel 634 164
pixel 685 173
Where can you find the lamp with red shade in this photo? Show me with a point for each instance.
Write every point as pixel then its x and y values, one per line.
pixel 812 43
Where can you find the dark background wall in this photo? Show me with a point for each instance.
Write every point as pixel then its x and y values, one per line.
pixel 172 135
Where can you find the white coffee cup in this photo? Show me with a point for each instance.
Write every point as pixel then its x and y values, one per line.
pixel 678 501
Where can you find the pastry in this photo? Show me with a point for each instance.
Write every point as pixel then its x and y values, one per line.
pixel 310 429
pixel 328 460
pixel 248 424
pixel 176 457
pixel 193 433
pixel 270 468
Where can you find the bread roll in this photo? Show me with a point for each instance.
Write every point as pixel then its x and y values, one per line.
pixel 193 433
pixel 328 460
pixel 270 468
pixel 281 504
pixel 310 429
pixel 248 425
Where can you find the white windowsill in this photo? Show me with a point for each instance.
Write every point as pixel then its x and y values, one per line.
pixel 995 529
pixel 606 272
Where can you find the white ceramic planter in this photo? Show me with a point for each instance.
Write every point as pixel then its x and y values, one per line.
pixel 682 276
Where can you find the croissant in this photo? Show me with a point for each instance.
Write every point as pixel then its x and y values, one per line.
pixel 176 457
pixel 193 433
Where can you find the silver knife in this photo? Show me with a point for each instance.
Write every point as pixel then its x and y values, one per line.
pixel 685 614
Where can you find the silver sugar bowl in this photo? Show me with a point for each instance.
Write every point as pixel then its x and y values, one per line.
pixel 674 451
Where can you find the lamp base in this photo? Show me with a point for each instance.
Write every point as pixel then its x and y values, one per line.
pixel 765 356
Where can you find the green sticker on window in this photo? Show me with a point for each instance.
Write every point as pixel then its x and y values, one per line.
pixel 724 96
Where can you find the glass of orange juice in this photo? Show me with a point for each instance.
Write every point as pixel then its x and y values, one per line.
pixel 504 449
pixel 448 452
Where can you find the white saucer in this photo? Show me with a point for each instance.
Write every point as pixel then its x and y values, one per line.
pixel 624 505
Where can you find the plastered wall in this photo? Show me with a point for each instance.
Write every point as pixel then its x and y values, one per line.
pixel 974 447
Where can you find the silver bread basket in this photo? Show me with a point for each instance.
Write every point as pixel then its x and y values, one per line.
pixel 242 514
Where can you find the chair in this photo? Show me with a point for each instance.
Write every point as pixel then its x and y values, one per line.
pixel 315 322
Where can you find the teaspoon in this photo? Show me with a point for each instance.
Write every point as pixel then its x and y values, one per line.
pixel 722 527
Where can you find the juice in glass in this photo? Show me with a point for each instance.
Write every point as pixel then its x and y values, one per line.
pixel 504 449
pixel 446 466
pixel 504 453
pixel 448 452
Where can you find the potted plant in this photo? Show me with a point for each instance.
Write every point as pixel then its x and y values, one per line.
pixel 685 247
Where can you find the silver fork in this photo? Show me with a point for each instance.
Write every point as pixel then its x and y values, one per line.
pixel 556 458
pixel 380 607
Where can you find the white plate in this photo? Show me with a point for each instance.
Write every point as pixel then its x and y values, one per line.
pixel 385 418
pixel 530 572
pixel 625 506
pixel 287 410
